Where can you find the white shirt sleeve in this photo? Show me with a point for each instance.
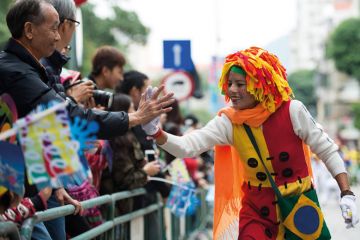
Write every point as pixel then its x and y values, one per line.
pixel 217 131
pixel 313 135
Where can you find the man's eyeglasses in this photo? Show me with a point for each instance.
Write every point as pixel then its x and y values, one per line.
pixel 77 23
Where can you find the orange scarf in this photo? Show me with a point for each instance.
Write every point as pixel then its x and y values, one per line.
pixel 254 117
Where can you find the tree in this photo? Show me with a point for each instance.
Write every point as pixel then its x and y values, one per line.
pixel 119 31
pixel 344 47
pixel 302 84
pixel 4 31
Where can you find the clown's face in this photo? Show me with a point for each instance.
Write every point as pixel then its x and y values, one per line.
pixel 240 97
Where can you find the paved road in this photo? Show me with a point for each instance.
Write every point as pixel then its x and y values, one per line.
pixel 335 222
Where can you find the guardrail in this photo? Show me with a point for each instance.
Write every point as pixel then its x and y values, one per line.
pixel 9 230
pixel 172 228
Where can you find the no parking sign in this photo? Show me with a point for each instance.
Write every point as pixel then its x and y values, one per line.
pixel 180 83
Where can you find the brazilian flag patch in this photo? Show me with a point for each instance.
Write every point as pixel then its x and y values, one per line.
pixel 303 218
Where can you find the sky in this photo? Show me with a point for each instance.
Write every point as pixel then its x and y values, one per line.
pixel 215 27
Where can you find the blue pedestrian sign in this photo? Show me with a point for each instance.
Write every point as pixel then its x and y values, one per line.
pixel 177 55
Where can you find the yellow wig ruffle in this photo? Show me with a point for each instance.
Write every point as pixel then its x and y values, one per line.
pixel 265 76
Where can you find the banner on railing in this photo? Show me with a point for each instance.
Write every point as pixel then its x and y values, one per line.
pixel 11 157
pixel 11 168
pixel 51 145
pixel 48 148
pixel 182 199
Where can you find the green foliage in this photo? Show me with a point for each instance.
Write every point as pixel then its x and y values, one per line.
pixel 302 84
pixel 344 47
pixel 203 115
pixel 4 31
pixel 101 31
pixel 129 24
pixel 97 31
pixel 356 114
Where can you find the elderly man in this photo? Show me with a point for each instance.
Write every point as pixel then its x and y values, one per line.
pixel 34 28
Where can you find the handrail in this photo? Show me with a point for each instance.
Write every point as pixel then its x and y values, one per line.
pixel 10 229
pixel 28 225
pixel 141 212
pixel 111 221
pixel 128 194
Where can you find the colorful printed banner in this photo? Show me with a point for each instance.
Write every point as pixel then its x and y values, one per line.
pixel 8 115
pixel 51 146
pixel 179 172
pixel 12 167
pixel 84 132
pixel 49 150
pixel 182 199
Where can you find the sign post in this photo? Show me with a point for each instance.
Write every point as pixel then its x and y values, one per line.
pixel 177 55
pixel 180 83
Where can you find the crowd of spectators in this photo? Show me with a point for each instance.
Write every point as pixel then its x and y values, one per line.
pixel 32 72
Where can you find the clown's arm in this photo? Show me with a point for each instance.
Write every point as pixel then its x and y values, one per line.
pixel 217 131
pixel 325 148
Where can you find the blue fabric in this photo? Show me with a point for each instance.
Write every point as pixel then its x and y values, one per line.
pixel 303 215
pixel 40 232
pixel 56 227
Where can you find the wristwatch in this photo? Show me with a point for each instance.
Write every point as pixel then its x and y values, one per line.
pixel 346 192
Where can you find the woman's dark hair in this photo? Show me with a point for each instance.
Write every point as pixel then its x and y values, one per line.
pixel 175 114
pixel 23 11
pixel 131 79
pixel 121 102
pixel 5 200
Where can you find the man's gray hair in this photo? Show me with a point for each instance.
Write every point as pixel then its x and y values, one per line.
pixel 65 8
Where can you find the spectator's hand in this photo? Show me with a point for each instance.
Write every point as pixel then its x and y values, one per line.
pixel 152 107
pixel 18 214
pixel 90 104
pixel 63 197
pixel 203 183
pixel 45 193
pixel 152 168
pixel 81 92
pixel 349 210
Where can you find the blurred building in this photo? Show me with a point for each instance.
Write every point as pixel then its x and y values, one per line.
pixel 335 91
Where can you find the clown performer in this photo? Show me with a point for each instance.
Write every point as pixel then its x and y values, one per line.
pixel 286 134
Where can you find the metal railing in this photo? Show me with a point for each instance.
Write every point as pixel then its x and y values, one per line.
pixel 179 228
pixel 9 230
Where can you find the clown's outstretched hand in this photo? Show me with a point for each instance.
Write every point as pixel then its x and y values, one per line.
pixel 151 128
pixel 349 210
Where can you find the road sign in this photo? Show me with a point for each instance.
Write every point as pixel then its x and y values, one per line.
pixel 177 55
pixel 180 83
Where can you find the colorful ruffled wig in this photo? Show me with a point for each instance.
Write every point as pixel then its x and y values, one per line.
pixel 265 76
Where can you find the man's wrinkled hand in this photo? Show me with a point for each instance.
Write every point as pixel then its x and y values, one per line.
pixel 151 107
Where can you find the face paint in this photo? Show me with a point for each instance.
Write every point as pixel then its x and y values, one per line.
pixel 237 92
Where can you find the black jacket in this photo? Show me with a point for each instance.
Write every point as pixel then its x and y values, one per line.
pixel 53 66
pixel 26 81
